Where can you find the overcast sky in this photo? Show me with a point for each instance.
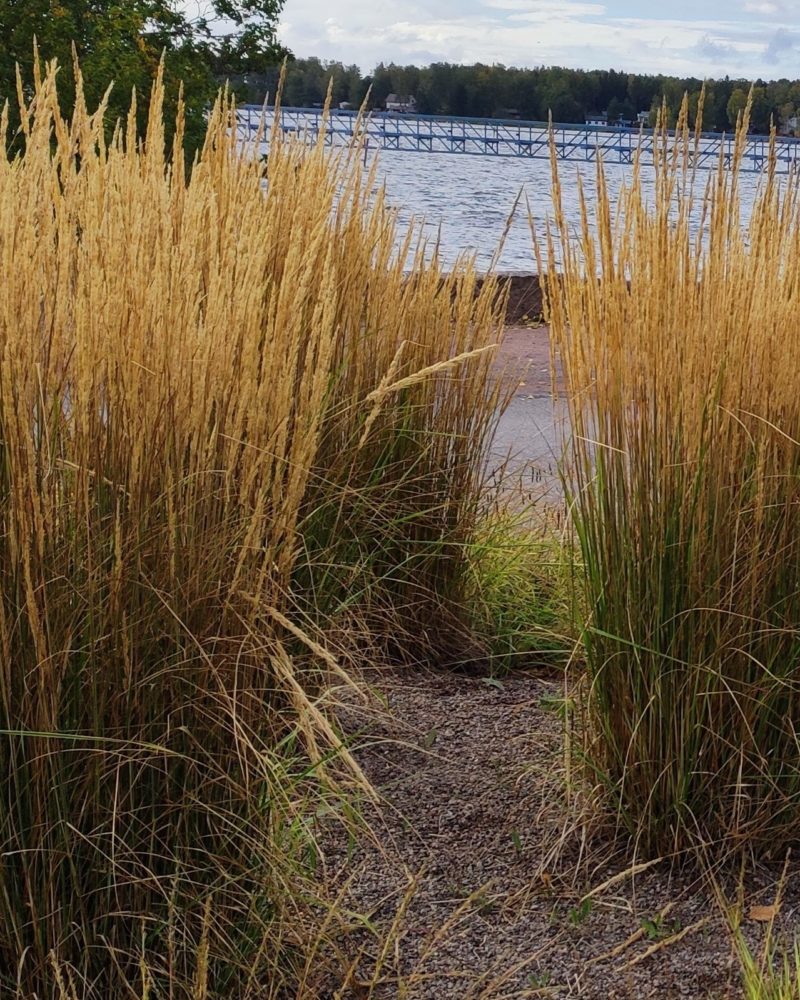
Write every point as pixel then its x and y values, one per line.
pixel 748 38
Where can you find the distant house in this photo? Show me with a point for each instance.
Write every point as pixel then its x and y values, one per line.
pixel 791 126
pixel 345 106
pixel 401 104
pixel 597 118
pixel 643 118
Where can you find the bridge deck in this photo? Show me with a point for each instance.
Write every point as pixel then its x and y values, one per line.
pixel 498 137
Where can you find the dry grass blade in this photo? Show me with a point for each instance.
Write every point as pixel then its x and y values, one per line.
pixel 202 515
pixel 666 942
pixel 676 322
pixel 632 939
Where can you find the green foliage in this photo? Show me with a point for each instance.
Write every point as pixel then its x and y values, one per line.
pixel 773 976
pixel 519 597
pixel 656 928
pixel 123 41
pixel 737 102
pixel 580 913
pixel 620 110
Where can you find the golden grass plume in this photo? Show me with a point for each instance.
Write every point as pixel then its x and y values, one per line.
pixel 196 488
pixel 677 325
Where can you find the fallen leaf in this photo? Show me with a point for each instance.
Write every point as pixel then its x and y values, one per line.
pixel 764 913
pixel 493 682
pixel 430 739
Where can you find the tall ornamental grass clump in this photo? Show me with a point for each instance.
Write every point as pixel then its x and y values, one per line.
pixel 232 417
pixel 682 360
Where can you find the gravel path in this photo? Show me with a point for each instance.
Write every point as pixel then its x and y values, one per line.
pixel 474 881
pixel 478 882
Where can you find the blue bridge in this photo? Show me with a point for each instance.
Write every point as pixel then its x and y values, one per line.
pixel 499 137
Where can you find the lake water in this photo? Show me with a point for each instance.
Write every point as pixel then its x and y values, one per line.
pixel 463 203
pixel 466 200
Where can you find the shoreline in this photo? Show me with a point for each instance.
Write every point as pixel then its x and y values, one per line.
pixel 525 300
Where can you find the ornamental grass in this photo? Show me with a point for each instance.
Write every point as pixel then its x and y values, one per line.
pixel 243 430
pixel 677 323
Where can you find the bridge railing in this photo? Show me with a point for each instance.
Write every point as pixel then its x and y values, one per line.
pixel 509 137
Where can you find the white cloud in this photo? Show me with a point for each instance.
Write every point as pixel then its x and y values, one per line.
pixel 548 8
pixel 761 7
pixel 576 33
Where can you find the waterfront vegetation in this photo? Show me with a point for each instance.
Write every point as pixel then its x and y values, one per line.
pixel 681 368
pixel 244 454
pixel 239 444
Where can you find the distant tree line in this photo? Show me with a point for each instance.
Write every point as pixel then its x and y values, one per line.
pixel 501 91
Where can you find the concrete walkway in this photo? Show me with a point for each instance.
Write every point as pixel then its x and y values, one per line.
pixel 530 436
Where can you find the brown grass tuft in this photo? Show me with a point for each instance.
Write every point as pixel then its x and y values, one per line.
pixel 213 458
pixel 684 478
